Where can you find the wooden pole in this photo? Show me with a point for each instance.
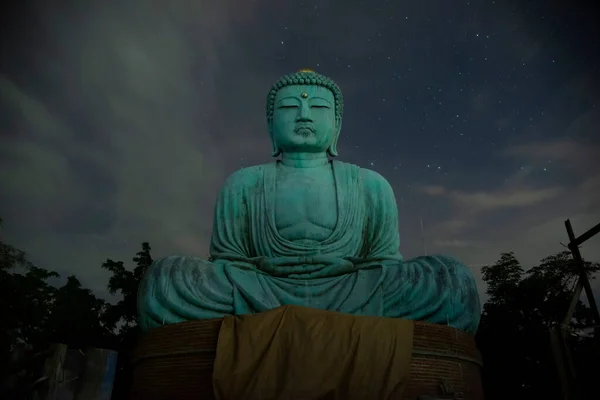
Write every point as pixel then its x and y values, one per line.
pixel 587 235
pixel 574 300
pixel 564 373
pixel 583 278
pixel 558 335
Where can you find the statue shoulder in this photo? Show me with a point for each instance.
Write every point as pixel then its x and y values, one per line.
pixel 245 177
pixel 374 182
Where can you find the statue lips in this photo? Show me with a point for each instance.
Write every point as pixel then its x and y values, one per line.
pixel 304 129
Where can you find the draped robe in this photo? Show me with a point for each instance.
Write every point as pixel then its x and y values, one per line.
pixel 358 269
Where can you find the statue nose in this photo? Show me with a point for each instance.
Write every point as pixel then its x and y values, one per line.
pixel 304 114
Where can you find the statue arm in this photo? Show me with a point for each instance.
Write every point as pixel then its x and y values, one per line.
pixel 230 239
pixel 382 234
pixel 176 289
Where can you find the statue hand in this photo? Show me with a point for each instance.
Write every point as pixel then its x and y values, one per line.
pixel 306 267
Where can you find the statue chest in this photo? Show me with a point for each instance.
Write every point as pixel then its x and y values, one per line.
pixel 306 205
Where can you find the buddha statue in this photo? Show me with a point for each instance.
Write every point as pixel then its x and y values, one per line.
pixel 307 230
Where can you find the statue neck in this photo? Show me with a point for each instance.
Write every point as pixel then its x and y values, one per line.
pixel 304 160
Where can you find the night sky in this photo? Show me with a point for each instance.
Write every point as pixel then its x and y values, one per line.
pixel 120 120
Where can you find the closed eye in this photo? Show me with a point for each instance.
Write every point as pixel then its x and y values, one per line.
pixel 319 107
pixel 288 106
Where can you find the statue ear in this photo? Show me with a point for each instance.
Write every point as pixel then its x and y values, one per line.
pixel 332 150
pixel 276 149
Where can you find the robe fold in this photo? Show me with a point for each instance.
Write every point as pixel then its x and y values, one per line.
pixel 357 270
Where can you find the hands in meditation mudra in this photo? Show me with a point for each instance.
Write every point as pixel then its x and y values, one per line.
pixel 309 231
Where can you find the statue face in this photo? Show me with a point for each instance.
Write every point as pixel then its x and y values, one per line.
pixel 304 119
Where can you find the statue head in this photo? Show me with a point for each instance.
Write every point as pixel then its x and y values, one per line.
pixel 304 114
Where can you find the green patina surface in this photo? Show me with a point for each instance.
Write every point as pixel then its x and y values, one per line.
pixel 309 231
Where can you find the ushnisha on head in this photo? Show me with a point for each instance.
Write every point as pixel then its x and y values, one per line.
pixel 304 114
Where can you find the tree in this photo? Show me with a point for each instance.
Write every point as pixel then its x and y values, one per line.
pixel 76 317
pixel 126 283
pixel 11 257
pixel 26 298
pixel 500 335
pixel 502 278
pixel 551 283
pixel 514 332
pixel 37 313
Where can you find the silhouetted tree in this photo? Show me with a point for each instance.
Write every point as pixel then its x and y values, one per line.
pixel 124 313
pixel 26 298
pixel 125 283
pixel 11 257
pixel 503 278
pixel 76 318
pixel 514 332
pixel 35 313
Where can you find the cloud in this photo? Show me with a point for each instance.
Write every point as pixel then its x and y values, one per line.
pixel 126 151
pixel 480 201
pixel 433 190
pixel 531 234
pixel 137 114
pixel 453 225
pixel 455 243
pixel 571 138
pixel 590 191
pixel 565 150
pixel 524 214
pixel 549 236
pixel 535 232
pixel 557 149
pixel 502 198
pixel 36 169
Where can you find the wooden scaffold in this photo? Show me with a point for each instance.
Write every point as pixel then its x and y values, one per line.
pixel 559 334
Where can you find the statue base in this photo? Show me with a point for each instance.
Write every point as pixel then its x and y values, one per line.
pixel 178 361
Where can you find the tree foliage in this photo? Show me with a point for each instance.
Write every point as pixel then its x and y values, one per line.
pixel 11 257
pixel 26 300
pixel 514 332
pixel 36 313
pixel 125 283
pixel 76 317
